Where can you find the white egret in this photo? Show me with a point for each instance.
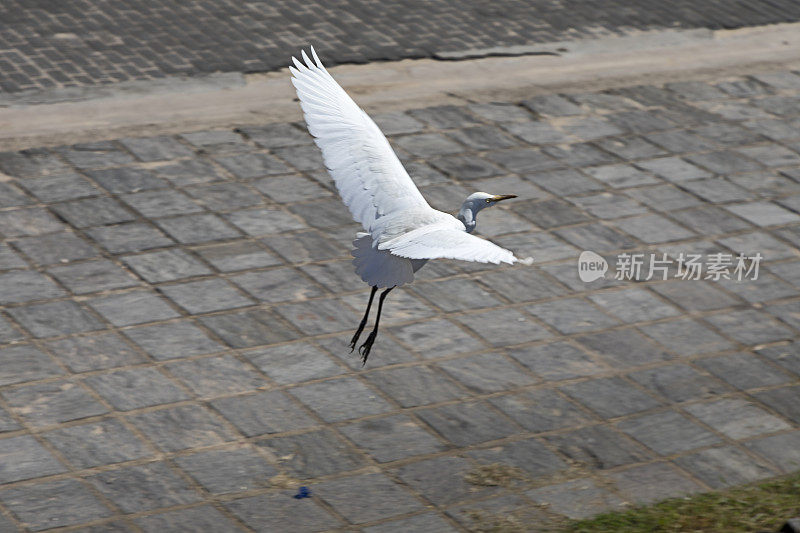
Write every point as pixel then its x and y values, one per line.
pixel 401 231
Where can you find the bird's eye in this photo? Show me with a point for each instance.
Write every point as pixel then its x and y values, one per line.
pixel 488 200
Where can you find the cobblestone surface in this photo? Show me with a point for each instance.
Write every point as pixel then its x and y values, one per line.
pixel 176 310
pixel 91 42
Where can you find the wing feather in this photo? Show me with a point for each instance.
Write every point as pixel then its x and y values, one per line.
pixel 439 241
pixel 371 180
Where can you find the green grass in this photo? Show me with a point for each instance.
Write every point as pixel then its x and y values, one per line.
pixel 758 507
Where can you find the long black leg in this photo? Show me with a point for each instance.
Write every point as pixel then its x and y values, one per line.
pixel 363 323
pixel 367 346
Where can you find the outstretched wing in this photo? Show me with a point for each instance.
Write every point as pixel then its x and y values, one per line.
pixel 437 241
pixel 371 180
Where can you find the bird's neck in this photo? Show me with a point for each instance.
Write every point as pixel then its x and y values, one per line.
pixel 467 216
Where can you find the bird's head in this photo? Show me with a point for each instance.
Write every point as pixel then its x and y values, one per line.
pixel 477 201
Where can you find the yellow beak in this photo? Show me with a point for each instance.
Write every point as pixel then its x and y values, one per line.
pixel 502 197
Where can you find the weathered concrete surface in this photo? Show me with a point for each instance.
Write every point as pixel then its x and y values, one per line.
pixel 228 100
pixel 176 311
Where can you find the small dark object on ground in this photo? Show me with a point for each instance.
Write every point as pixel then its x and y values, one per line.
pixel 302 492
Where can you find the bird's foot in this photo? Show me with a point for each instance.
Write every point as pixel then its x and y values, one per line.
pixel 354 340
pixel 365 348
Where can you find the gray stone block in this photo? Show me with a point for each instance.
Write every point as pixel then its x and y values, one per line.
pixel 278 285
pixel 155 148
pixel 59 188
pixel 428 144
pixel 66 502
pixel 529 455
pixel 564 182
pixel 22 363
pixel 667 432
pixel 235 256
pixel 51 403
pixel 184 427
pixel 206 296
pixel 434 338
pixel 55 319
pixel 95 155
pixel 504 327
pixel 294 363
pixel 723 467
pixel 783 401
pixel 56 248
pixel 166 265
pixel 540 410
pixel 781 450
pixel 281 512
pixel 487 137
pixel 275 135
pixel 598 447
pixel 391 438
pixel 467 423
pixel 126 179
pixel 132 237
pixel 442 480
pixel 624 347
pixel 421 523
pixel 195 229
pixel 131 308
pixel 30 221
pixel 317 316
pixel 414 386
pixel 610 397
pixel 155 204
pixel 557 361
pixel 367 497
pixel 736 418
pixel 486 373
pixel 245 329
pixel 93 276
pixel 749 327
pixel 327 213
pixel 144 487
pixel 99 443
pixel 203 518
pixel 743 371
pixel 24 458
pixel 216 141
pixel 314 454
pixel 188 172
pixel 785 355
pixel 93 212
pixel 97 352
pixel 294 188
pixel 341 399
pixel 636 483
pixel 572 315
pixel 466 167
pixel 576 499
pixel 678 382
pixel 135 388
pixel 257 222
pixel 686 336
pixel 216 376
pixel 262 413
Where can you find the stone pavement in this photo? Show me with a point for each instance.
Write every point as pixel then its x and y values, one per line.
pixel 176 311
pixel 93 42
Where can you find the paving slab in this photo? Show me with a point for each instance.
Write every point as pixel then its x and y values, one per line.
pixel 188 312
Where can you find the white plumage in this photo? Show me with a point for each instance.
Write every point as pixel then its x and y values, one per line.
pixel 401 231
pixel 377 189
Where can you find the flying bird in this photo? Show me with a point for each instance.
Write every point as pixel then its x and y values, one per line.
pixel 401 231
